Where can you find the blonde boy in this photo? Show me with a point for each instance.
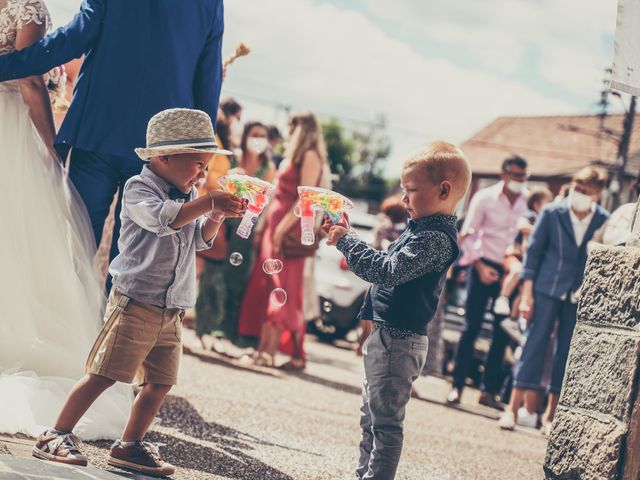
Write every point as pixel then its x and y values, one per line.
pixel 406 284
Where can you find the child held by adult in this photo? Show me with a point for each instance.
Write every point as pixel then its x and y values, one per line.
pixel 153 284
pixel 407 280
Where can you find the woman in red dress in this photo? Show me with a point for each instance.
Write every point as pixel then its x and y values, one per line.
pixel 304 163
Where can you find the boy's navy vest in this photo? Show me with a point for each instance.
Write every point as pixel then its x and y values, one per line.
pixel 412 305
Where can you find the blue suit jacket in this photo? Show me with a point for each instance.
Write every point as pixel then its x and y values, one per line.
pixel 141 57
pixel 553 260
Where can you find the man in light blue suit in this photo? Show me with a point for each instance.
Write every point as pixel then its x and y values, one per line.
pixel 141 57
pixel 553 272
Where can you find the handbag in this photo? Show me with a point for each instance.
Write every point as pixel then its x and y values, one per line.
pixel 291 245
pixel 292 248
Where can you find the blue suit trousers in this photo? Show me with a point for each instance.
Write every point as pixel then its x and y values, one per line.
pixel 97 177
pixel 530 366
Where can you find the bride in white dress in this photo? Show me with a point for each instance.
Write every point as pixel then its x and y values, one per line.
pixel 51 298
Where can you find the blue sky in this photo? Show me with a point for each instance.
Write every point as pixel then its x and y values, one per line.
pixel 436 69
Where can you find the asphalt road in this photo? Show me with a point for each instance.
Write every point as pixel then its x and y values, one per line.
pixel 225 421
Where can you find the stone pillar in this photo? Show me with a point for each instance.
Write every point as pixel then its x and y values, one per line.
pixel 596 433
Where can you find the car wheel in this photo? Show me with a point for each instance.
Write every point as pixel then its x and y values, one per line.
pixel 326 332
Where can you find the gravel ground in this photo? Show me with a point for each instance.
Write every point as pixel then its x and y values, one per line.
pixel 226 421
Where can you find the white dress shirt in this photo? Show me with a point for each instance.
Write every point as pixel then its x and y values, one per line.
pixel 580 226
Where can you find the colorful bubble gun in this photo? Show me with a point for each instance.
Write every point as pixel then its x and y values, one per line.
pixel 255 191
pixel 313 199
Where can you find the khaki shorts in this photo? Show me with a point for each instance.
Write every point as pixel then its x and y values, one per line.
pixel 138 338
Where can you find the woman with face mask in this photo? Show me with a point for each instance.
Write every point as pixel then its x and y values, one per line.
pixel 222 284
pixel 262 314
pixel 552 273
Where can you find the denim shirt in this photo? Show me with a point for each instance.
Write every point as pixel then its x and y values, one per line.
pixel 407 279
pixel 156 264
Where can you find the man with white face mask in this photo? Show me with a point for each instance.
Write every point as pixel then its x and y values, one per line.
pixel 553 272
pixel 490 225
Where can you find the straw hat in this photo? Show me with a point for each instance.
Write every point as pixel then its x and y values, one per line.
pixel 179 130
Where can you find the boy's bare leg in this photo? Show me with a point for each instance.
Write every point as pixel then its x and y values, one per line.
pixel 145 408
pixel 81 397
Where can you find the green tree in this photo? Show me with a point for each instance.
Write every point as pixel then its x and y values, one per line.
pixel 339 148
pixel 372 149
pixel 358 158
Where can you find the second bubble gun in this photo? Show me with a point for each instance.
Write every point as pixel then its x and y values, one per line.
pixel 255 191
pixel 313 199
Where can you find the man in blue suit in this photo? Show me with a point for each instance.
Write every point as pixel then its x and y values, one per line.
pixel 141 57
pixel 553 272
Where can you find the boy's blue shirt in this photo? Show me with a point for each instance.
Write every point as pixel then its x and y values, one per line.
pixel 407 278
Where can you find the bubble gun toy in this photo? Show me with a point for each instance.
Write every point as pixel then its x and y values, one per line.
pixel 255 191
pixel 313 199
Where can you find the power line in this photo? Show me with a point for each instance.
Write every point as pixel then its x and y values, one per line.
pixel 358 121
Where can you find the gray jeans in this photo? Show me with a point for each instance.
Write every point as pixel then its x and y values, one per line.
pixel 391 366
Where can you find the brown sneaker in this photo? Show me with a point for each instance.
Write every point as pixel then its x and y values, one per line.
pixel 61 448
pixel 142 457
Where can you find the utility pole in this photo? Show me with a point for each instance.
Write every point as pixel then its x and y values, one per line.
pixel 623 152
pixel 603 103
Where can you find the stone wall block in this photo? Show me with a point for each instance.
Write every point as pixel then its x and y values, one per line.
pixel 601 371
pixel 611 291
pixel 584 446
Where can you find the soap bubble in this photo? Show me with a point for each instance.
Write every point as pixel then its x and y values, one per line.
pixel 235 259
pixel 271 266
pixel 327 306
pixel 278 297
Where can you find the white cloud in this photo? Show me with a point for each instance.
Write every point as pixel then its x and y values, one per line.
pixel 339 62
pixel 567 35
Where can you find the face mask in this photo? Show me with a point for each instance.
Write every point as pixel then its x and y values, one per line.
pixel 579 201
pixel 257 144
pixel 516 187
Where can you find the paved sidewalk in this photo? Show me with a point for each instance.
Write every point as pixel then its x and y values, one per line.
pixel 26 468
pixel 227 421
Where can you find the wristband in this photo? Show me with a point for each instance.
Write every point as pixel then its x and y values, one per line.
pixel 216 216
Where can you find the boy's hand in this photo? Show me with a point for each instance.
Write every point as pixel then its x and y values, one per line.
pixel 228 204
pixel 336 233
pixel 343 222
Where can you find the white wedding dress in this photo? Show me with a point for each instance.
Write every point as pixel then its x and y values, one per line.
pixel 51 298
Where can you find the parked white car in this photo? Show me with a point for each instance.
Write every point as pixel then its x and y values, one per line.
pixel 341 292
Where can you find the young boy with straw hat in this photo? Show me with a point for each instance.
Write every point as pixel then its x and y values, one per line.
pixel 153 284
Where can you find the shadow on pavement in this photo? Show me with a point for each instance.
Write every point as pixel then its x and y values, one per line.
pixel 230 463
pixel 332 362
pixel 227 462
pixel 178 413
pixel 342 387
pixel 228 458
pixel 217 359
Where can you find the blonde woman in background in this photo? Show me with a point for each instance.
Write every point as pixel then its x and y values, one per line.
pixel 304 164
